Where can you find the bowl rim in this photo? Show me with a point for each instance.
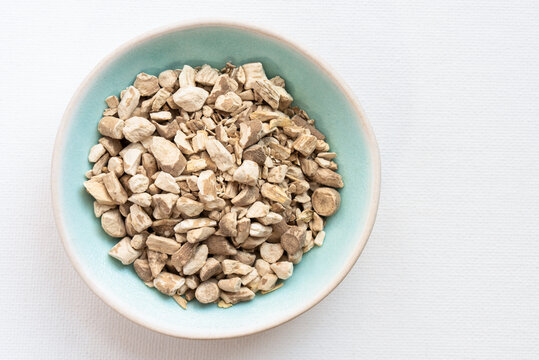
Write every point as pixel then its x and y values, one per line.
pixel 325 68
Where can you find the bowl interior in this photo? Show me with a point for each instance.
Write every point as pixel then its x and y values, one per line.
pixel 313 90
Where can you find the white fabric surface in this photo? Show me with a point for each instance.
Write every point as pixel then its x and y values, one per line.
pixel 451 269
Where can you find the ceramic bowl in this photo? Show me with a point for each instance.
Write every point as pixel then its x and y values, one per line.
pixel 314 87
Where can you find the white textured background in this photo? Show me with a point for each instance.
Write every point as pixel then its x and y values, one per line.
pixel 452 91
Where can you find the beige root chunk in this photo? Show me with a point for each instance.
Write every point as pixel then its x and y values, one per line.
pixel 138 183
pixel 245 257
pixel 137 128
pixel 246 197
pixel 111 126
pixel 131 156
pixel 160 99
pixel 187 77
pixel 163 205
pixel 207 292
pixel 283 269
pixel 139 218
pixel 211 268
pixel 258 210
pixel 246 279
pixel 149 164
pixel 113 146
pixel 230 285
pixel 100 209
pixel 271 252
pixel 143 270
pixel 147 85
pixel 305 144
pixel 253 242
pixel 168 156
pixel 277 174
pixel 319 239
pixel 99 192
pixel 275 193
pixel 247 173
pixel 168 283
pixel 200 234
pixel 267 282
pixel 112 101
pixel 115 188
pixel 267 91
pixel 96 152
pixel 244 227
pixel 168 79
pixel 113 223
pixel 250 133
pixel 124 252
pixel 326 201
pixel 223 85
pixel 195 165
pixel 207 186
pixel 328 178
pixel 253 72
pixel 183 255
pixel 116 165
pixel 235 267
pixel 138 241
pixel 156 261
pixel 259 230
pixel 270 219
pixel 243 294
pixel 219 154
pixel 228 224
pixel 181 301
pixel 166 182
pixel 128 103
pixel 263 267
pixel 190 99
pixel 207 75
pixel 197 261
pixel 185 146
pixel 228 102
pixel 256 154
pixel 293 239
pixel 162 244
pixel 190 224
pixel 189 207
pixel 218 245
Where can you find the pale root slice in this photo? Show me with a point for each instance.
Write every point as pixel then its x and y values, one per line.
pixel 162 244
pixel 230 285
pixel 258 210
pixel 219 245
pixel 166 182
pixel 319 239
pixel 267 282
pixel 168 283
pixel 260 231
pixel 275 193
pixel 156 261
pixel 183 255
pixel 190 224
pixel 243 294
pixel 138 184
pixel 111 126
pixel 98 190
pixel 228 224
pixel 263 267
pixel 100 209
pixel 190 99
pixel 140 220
pixel 128 103
pixel 207 75
pixel 211 268
pixel 283 269
pixel 115 188
pixel 328 178
pixel 123 252
pixel 169 158
pixel 235 267
pixel 200 234
pixel 189 207
pixel 247 173
pixel 96 152
pixel 113 223
pixel 137 128
pixel 187 77
pixel 228 102
pixel 146 84
pixel 326 201
pixel 277 174
pixel 197 261
pixel 207 292
pixel 219 154
pixel 253 72
pixel 271 252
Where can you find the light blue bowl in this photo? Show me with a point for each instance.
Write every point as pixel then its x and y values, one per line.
pixel 314 88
